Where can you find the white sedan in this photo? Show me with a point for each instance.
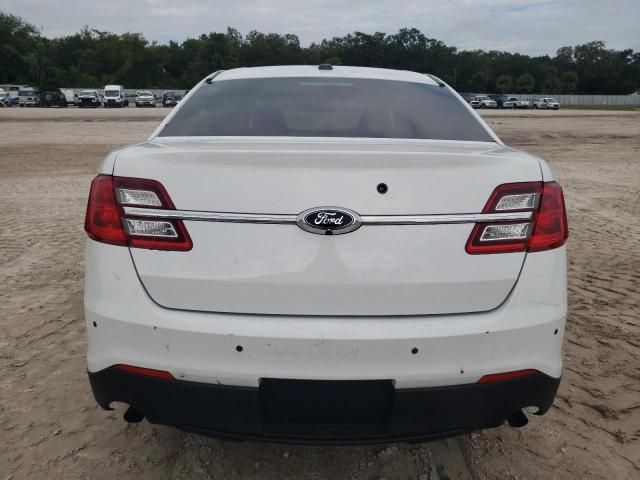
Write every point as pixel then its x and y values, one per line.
pixel 325 255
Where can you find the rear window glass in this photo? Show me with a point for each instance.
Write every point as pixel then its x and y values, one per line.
pixel 319 107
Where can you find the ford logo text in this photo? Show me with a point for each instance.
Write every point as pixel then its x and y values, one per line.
pixel 329 220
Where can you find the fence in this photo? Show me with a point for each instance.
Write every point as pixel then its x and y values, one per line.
pixel 586 99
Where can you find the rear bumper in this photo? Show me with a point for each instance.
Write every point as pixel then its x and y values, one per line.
pixel 305 412
pixel 125 326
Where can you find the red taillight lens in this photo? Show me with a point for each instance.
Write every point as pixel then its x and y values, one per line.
pixel 503 377
pixel 146 372
pixel 551 228
pixel 546 229
pixel 106 221
pixel 102 221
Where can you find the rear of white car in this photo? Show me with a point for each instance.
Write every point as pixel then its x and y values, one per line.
pixel 325 255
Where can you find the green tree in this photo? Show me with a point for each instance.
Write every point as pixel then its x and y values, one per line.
pixel 93 58
pixel 525 83
pixel 504 83
pixel 568 82
pixel 19 43
pixel 479 81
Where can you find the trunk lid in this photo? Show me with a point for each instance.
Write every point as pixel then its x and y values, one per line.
pixel 282 269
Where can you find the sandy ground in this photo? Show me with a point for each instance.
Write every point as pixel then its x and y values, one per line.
pixel 50 426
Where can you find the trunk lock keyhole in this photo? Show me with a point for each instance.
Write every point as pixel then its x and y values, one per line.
pixel 382 188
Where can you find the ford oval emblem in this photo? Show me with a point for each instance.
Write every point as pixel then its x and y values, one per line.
pixel 329 220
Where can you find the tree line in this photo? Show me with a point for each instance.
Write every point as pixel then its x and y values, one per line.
pixel 92 58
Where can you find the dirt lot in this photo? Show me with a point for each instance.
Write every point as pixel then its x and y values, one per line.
pixel 50 426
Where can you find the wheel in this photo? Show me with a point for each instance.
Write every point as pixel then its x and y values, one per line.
pixel 535 107
pixel 483 106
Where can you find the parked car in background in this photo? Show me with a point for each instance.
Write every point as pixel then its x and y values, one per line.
pixel 517 103
pixel 469 98
pixel 4 98
pixel 115 96
pixel 429 300
pixel 170 99
pixel 547 103
pixel 88 98
pixel 69 95
pixel 501 100
pixel 485 102
pixel 12 92
pixel 28 97
pixel 53 97
pixel 144 98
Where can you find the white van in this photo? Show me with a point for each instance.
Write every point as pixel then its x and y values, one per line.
pixel 114 96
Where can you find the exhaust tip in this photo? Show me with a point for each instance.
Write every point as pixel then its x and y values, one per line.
pixel 133 416
pixel 518 419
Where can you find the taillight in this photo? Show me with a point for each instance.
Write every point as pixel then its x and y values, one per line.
pixel 546 229
pixel 106 221
pixel 551 228
pixel 102 220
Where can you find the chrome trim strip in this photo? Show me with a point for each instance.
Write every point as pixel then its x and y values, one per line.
pixel 292 219
pixel 442 219
pixel 210 216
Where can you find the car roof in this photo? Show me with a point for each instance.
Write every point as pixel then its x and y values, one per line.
pixel 337 71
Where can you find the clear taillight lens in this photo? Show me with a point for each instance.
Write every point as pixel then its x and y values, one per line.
pixel 547 228
pixel 106 222
pixel 501 232
pixel 138 198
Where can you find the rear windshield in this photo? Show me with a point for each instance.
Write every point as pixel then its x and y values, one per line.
pixel 319 107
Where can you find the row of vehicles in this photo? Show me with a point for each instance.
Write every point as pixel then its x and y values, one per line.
pixel 113 96
pixel 506 101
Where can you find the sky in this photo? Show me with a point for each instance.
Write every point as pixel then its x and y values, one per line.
pixel 533 27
